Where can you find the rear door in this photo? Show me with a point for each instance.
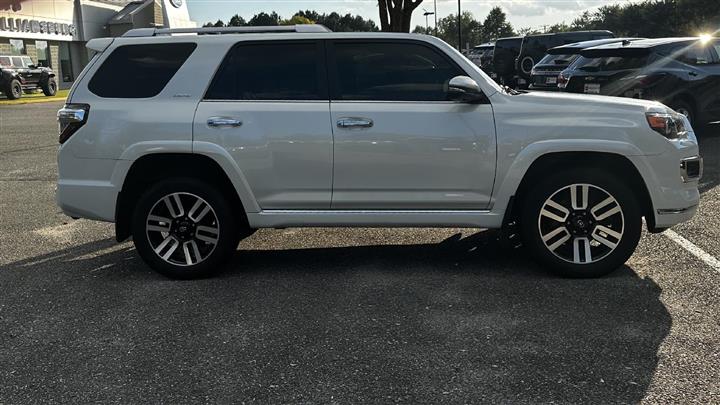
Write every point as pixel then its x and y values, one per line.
pixel 268 107
pixel 399 144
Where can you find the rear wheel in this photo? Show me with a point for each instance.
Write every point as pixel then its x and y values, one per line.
pixel 14 90
pixel 184 228
pixel 581 223
pixel 50 89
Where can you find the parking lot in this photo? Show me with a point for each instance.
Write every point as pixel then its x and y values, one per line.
pixel 342 315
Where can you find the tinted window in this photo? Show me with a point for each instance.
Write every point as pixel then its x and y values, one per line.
pixel 611 63
pixel 17 62
pixel 271 71
pixel 557 59
pixel 137 71
pixel 5 61
pixel 392 72
pixel 695 55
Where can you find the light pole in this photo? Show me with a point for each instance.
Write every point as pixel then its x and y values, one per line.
pixel 459 27
pixel 435 12
pixel 426 14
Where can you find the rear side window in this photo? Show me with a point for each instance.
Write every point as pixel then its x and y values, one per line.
pixel 293 70
pixel 391 72
pixel 612 63
pixel 139 71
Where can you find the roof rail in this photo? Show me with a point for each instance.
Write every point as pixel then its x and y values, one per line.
pixel 151 32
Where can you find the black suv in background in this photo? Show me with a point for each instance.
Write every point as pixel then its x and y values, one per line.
pixel 503 62
pixel 534 48
pixel 683 73
pixel 544 75
pixel 19 74
pixel 476 54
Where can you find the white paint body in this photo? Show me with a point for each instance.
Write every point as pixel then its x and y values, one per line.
pixel 421 164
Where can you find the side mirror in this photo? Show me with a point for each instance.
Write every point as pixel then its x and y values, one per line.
pixel 464 89
pixel 32 67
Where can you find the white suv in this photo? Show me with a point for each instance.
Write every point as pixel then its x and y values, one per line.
pixel 190 142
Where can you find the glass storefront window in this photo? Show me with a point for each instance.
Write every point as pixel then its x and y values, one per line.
pixel 43 54
pixel 17 47
pixel 66 63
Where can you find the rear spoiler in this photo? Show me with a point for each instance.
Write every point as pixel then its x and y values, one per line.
pixel 99 44
pixel 602 52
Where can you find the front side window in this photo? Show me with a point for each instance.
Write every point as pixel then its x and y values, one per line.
pixel 696 55
pixel 139 71
pixel 391 71
pixel 291 70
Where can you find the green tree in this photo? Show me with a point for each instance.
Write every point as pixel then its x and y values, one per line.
pixel 236 21
pixel 496 25
pixel 338 23
pixel 297 20
pixel 265 19
pixel 472 32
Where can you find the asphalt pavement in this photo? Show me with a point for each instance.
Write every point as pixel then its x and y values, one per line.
pixel 341 315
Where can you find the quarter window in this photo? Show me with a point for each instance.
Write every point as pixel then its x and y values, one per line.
pixel 391 72
pixel 139 71
pixel 271 71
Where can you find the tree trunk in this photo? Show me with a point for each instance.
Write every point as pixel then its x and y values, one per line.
pixel 396 15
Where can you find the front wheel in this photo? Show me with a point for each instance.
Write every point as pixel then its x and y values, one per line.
pixel 581 223
pixel 184 228
pixel 50 89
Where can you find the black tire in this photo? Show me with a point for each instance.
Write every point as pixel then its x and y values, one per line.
pixel 226 221
pixel 526 65
pixel 14 90
pixel 50 88
pixel 599 181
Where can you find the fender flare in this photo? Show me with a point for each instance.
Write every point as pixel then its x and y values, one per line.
pixel 508 185
pixel 210 150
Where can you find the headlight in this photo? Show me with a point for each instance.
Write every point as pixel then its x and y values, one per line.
pixel 670 125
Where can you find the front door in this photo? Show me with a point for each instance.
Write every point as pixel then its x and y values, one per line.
pixel 268 108
pixel 399 144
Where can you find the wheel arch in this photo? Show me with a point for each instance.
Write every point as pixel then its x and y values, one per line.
pixel 153 167
pixel 554 161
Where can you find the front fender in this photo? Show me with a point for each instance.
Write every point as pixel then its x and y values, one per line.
pixel 509 181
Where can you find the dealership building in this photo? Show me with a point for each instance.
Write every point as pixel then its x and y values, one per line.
pixel 54 32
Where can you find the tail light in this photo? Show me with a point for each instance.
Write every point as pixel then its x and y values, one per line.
pixel 562 81
pixel 70 118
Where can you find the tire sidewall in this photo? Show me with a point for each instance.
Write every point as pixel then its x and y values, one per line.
pixel 11 90
pixel 50 89
pixel 227 239
pixel 692 115
pixel 632 215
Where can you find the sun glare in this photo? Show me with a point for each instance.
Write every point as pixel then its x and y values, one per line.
pixel 705 38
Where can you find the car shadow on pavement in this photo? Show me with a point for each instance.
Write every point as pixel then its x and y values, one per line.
pixel 464 320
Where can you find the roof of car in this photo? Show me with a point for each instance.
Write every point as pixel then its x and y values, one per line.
pixel 645 43
pixel 485 45
pixel 569 33
pixel 591 43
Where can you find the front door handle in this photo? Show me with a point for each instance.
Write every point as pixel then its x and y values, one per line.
pixel 354 122
pixel 223 122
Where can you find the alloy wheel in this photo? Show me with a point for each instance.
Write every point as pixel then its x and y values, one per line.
pixel 182 229
pixel 581 223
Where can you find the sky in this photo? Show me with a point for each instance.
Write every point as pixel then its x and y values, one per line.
pixel 521 13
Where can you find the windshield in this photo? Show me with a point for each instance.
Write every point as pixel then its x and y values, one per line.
pixel 557 60
pixel 610 63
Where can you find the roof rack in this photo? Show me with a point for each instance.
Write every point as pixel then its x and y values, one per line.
pixel 301 28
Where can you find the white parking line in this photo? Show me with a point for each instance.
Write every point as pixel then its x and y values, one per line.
pixel 693 249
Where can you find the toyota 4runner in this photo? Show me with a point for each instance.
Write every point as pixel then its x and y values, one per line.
pixel 190 142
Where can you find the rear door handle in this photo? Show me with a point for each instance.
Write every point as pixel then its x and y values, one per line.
pixel 354 122
pixel 223 122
